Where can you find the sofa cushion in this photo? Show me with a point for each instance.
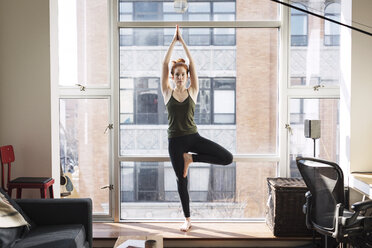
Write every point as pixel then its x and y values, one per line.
pixel 12 224
pixel 56 236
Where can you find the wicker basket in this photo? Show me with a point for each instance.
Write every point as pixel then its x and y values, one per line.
pixel 284 214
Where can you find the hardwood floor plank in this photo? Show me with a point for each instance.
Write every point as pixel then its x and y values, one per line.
pixel 199 230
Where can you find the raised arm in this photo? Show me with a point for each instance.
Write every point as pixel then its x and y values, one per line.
pixel 194 83
pixel 165 86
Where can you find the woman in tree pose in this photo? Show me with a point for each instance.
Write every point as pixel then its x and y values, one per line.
pixel 183 135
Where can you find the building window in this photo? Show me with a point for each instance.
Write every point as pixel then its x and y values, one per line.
pixel 299 23
pixel 155 181
pixel 332 30
pixel 139 102
pixel 197 11
pixel 142 102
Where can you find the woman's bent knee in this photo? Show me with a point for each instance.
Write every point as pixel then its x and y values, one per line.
pixel 228 158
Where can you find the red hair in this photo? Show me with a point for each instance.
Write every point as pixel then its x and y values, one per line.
pixel 177 63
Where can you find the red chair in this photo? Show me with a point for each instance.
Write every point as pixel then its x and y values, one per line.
pixel 42 183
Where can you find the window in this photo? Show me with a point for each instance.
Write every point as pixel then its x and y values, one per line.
pixel 140 103
pixel 298 26
pixel 84 113
pixel 143 119
pixel 237 106
pixel 313 92
pixel 197 11
pixel 155 181
pixel 332 30
pixel 325 110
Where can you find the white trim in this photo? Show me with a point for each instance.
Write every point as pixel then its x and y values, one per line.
pixel 115 75
pixel 310 93
pixel 88 92
pixel 165 158
pixel 196 24
pixel 282 94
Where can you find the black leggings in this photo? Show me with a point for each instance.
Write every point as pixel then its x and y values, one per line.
pixel 206 151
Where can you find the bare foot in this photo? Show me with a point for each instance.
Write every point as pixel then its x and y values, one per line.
pixel 186 226
pixel 187 158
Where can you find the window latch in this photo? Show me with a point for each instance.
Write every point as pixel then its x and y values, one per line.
pixel 82 87
pixel 316 87
pixel 110 126
pixel 289 128
pixel 110 187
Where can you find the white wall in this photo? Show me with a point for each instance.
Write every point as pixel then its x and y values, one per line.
pixel 25 91
pixel 361 90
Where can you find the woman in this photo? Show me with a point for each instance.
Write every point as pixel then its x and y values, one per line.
pixel 183 135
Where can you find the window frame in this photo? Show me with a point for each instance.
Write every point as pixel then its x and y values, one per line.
pixel 116 24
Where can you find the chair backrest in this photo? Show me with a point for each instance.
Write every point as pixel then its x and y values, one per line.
pixel 7 154
pixel 7 157
pixel 326 184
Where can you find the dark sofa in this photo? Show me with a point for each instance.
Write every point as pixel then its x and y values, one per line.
pixel 57 223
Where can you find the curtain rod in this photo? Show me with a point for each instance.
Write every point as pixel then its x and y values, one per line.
pixel 323 17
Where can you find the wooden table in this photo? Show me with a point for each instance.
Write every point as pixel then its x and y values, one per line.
pixel 158 238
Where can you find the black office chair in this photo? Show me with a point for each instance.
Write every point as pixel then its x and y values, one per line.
pixel 325 208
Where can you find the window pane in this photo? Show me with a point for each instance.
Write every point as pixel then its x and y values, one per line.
pixel 299 25
pixel 244 10
pixel 147 37
pixel 84 149
pixel 234 91
pixel 199 17
pixel 223 17
pixel 239 190
pixel 203 107
pixel 312 61
pixel 247 10
pixel 195 7
pixel 224 7
pixel 224 101
pixel 83 36
pixel 256 90
pixel 325 110
pixel 147 11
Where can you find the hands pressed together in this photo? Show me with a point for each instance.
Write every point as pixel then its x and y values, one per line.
pixel 178 36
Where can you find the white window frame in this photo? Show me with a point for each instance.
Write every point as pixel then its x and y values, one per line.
pixel 285 93
pixel 98 92
pixel 116 25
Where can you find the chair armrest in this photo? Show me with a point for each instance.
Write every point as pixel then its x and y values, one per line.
pixel 362 205
pixel 306 209
pixel 60 211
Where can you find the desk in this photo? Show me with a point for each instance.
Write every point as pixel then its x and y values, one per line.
pixel 362 182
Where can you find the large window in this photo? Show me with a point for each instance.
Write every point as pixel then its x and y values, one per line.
pixel 236 50
pixel 236 107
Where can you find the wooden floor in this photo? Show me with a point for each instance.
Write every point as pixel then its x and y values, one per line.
pixel 201 234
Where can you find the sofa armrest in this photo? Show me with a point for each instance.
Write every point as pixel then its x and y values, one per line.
pixel 60 211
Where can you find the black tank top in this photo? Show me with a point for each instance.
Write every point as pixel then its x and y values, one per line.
pixel 181 117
